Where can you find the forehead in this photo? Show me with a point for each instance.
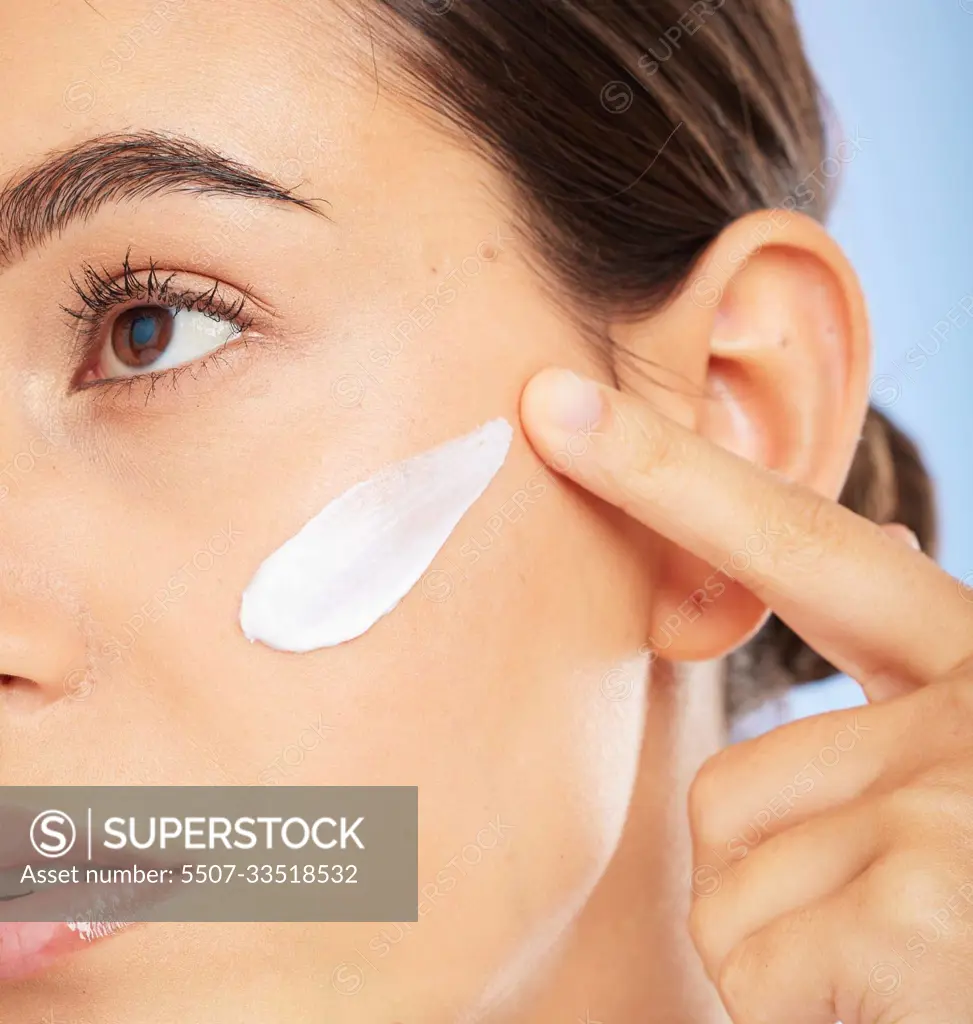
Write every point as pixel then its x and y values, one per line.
pixel 262 81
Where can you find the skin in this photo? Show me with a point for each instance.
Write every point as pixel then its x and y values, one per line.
pixel 458 692
pixel 571 728
pixel 831 856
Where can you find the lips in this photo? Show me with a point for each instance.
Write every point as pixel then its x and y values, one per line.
pixel 67 916
pixel 27 948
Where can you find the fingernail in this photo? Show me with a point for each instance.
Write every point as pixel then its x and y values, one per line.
pixel 569 401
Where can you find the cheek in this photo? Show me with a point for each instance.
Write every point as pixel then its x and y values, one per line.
pixel 354 561
pixel 506 685
pixel 508 691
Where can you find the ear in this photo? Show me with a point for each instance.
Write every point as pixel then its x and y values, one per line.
pixel 766 353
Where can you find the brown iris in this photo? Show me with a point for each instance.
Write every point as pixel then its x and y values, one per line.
pixel 139 336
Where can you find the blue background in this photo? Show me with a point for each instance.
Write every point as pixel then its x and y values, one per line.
pixel 900 72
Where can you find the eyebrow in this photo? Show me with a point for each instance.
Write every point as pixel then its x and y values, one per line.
pixel 72 185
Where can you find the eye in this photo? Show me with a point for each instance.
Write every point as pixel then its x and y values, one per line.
pixel 156 338
pixel 140 324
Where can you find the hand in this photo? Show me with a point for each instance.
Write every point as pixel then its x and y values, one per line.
pixel 833 857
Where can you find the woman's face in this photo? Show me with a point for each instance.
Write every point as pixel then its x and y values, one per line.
pixel 135 510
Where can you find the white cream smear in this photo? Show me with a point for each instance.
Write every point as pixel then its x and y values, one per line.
pixel 365 550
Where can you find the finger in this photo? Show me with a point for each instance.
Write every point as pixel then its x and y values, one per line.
pixel 797 868
pixel 897 531
pixel 865 953
pixel 758 788
pixel 868 604
pixel 806 967
pixel 891 686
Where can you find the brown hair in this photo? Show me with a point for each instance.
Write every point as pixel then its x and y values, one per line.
pixel 634 132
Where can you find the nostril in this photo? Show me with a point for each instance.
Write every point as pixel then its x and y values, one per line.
pixel 22 694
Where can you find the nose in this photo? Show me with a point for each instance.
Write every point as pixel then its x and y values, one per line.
pixel 44 630
pixel 42 638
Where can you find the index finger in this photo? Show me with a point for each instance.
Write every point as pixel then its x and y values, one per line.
pixel 870 605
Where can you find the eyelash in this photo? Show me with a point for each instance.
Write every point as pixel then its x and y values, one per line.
pixel 102 294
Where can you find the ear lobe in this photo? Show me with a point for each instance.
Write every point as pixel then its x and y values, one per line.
pixel 776 340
